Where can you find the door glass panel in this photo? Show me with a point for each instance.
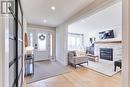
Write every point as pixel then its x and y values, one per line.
pixel 50 44
pixel 42 42
pixel 12 52
pixel 12 75
pixel 31 39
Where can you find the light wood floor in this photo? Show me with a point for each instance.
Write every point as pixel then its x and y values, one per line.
pixel 80 77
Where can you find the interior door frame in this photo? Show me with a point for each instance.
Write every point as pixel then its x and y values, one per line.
pixel 35 38
pixel 33 29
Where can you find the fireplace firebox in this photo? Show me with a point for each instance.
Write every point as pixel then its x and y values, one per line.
pixel 106 54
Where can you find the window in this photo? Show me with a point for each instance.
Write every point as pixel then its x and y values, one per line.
pixel 75 42
pixel 71 43
pixel 51 44
pixel 41 41
pixel 30 39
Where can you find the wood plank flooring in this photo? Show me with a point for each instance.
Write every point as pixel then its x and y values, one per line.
pixel 80 77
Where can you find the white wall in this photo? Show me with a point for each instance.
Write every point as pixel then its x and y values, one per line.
pixel 61 44
pixel 4 51
pixel 126 44
pixel 117 34
pixel 1 66
pixel 107 18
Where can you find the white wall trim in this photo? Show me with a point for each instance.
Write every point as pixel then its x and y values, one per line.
pixel 126 44
pixel 1 57
pixel 60 61
pixel 40 26
pixel 4 46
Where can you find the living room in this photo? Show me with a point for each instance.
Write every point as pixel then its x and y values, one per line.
pixel 99 38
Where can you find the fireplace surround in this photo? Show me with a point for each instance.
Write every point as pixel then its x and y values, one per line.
pixel 116 46
pixel 106 54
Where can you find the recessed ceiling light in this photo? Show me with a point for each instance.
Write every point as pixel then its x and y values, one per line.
pixel 44 20
pixel 103 27
pixel 83 21
pixel 53 8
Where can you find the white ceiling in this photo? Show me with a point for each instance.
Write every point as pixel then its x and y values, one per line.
pixel 110 17
pixel 36 11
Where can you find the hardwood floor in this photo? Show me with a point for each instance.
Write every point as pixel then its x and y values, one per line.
pixel 80 77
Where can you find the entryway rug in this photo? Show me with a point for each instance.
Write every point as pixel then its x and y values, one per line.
pixel 103 66
pixel 46 69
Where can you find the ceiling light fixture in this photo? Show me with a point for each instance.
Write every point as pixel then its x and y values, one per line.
pixel 53 8
pixel 44 20
pixel 83 21
pixel 103 27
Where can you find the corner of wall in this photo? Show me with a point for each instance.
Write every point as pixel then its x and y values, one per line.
pixel 1 66
pixel 61 43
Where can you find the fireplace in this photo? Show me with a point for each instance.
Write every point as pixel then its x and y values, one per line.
pixel 106 54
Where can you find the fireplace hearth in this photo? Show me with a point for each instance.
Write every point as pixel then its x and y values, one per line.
pixel 106 53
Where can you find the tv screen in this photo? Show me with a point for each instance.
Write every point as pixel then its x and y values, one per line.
pixel 106 34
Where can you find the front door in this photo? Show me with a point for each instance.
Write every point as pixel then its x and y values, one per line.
pixel 41 44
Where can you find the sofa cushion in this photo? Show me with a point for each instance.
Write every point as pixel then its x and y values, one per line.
pixel 81 53
pixel 70 53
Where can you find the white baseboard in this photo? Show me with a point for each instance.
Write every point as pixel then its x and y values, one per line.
pixel 61 61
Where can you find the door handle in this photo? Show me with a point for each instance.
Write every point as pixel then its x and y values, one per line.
pixel 35 46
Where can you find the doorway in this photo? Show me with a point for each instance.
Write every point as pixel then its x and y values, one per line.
pixel 41 41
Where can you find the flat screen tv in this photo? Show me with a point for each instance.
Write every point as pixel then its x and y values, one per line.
pixel 106 34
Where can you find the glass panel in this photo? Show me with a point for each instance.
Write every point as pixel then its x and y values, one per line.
pixel 31 39
pixel 20 65
pixel 20 48
pixel 79 43
pixel 12 26
pixel 51 45
pixel 19 32
pixel 12 75
pixel 41 41
pixel 12 52
pixel 20 80
pixel 19 15
pixel 71 43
